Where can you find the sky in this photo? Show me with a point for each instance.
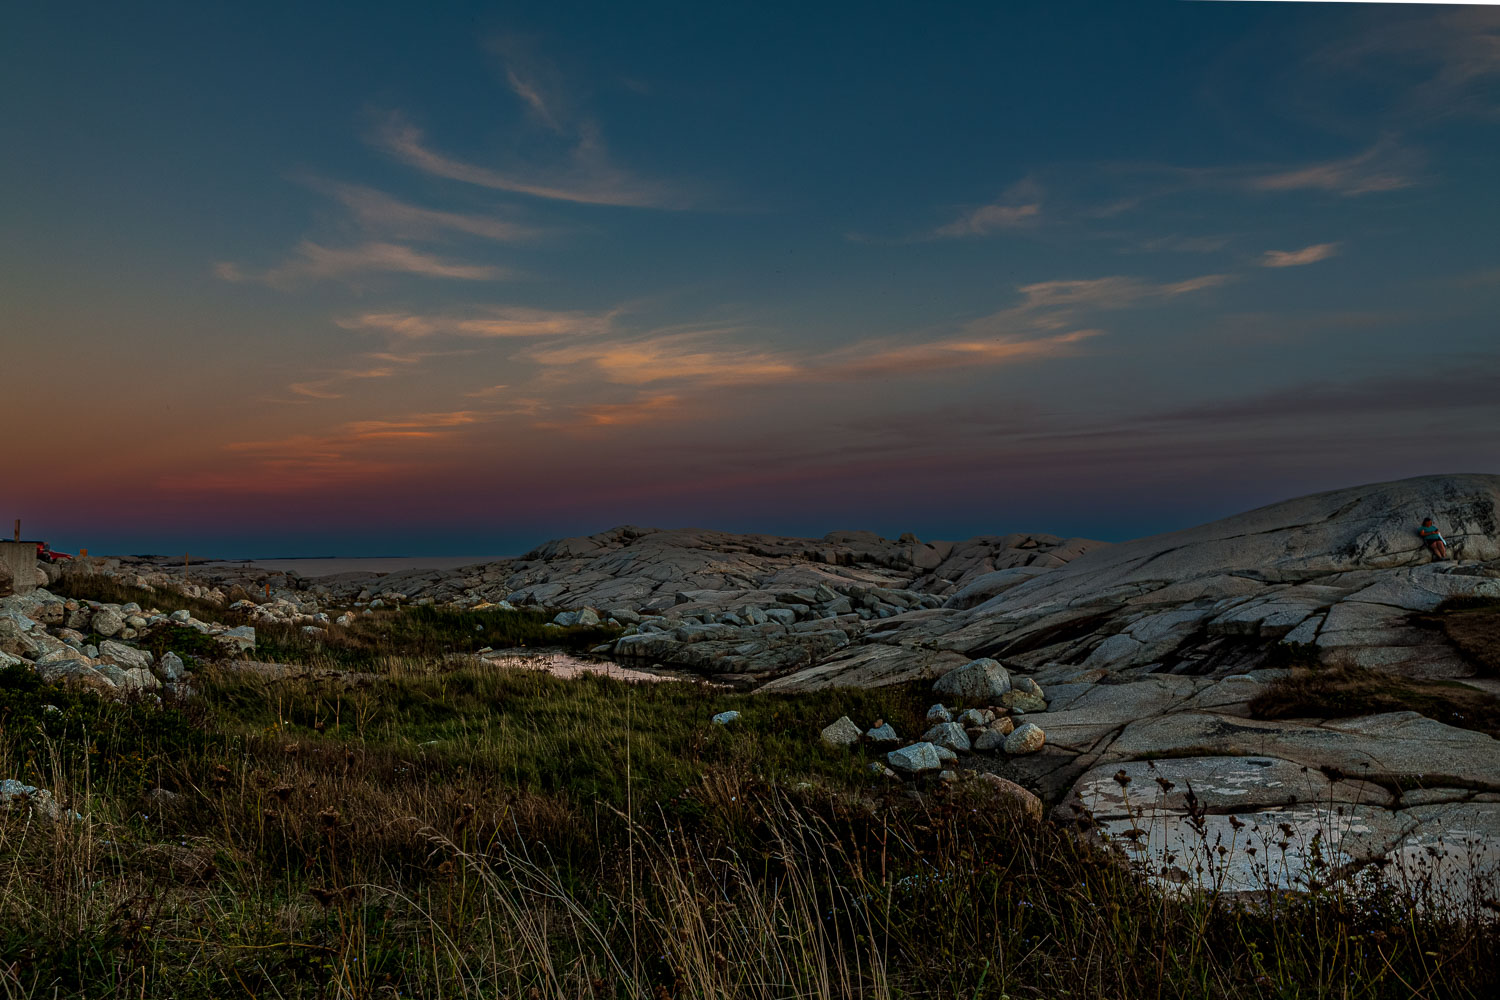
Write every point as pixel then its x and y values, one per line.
pixel 452 279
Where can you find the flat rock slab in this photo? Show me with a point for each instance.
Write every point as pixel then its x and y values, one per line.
pixel 1269 822
pixel 1105 708
pixel 874 665
pixel 1397 747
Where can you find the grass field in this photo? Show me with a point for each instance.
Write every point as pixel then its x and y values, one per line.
pixel 412 824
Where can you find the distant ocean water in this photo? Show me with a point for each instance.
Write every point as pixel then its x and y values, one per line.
pixel 364 564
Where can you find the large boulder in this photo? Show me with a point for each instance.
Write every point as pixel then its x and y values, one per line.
pixel 983 680
pixel 126 657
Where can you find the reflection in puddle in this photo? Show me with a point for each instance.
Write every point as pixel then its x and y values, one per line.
pixel 560 664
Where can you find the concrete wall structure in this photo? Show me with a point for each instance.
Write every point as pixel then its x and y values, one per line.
pixel 20 559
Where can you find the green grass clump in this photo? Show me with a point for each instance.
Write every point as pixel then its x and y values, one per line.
pixel 123 747
pixel 422 632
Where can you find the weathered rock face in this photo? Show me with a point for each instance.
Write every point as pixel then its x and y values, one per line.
pixel 1342 572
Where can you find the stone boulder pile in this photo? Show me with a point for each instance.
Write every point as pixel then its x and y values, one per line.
pixel 89 643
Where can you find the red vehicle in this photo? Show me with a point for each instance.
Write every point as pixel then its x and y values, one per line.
pixel 45 554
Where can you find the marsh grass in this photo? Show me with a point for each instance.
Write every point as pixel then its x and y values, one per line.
pixel 1345 692
pixel 437 826
pixel 1473 623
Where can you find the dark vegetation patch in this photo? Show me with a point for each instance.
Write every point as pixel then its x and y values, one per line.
pixel 122 747
pixel 423 633
pixel 108 590
pixel 1345 692
pixel 1473 625
pixel 192 646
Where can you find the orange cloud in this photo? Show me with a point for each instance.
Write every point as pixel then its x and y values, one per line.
pixel 1297 258
pixel 646 409
pixel 589 180
pixel 501 322
pixel 313 262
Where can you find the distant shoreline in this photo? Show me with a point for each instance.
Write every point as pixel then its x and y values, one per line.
pixel 312 566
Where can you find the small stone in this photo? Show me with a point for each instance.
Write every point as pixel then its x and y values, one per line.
pixel 879 770
pixel 180 616
pixel 841 733
pixel 948 777
pixel 725 718
pixel 1027 739
pixel 948 734
pixel 15 796
pixel 937 713
pixel 1027 685
pixel 976 718
pixel 1023 702
pixel 107 622
pixel 915 759
pixel 170 667
pixel 990 739
pixel 883 733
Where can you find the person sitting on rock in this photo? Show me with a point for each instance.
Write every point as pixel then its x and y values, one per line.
pixel 1433 538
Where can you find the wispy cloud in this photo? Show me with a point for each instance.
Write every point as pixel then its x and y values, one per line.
pixel 493 323
pixel 356 451
pixel 647 408
pixel 1048 322
pixel 323 388
pixel 314 262
pixel 1382 167
pixel 1182 244
pixel 1455 54
pixel 1297 258
pixel 695 357
pixel 587 177
pixel 988 219
pixel 380 213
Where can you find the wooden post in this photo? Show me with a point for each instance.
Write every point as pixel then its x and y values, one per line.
pixel 184 566
pixel 268 590
pixel 18 529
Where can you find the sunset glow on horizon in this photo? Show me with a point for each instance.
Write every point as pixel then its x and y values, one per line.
pixel 454 281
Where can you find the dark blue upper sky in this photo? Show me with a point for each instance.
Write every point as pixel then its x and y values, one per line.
pixel 311 277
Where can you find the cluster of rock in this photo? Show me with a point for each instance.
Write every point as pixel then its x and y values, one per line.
pixel 88 643
pixel 1342 573
pixel 755 633
pixel 980 729
pixel 647 570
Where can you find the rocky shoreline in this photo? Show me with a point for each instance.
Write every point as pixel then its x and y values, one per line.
pixel 1130 667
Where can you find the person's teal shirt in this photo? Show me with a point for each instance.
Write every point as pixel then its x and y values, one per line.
pixel 1430 533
